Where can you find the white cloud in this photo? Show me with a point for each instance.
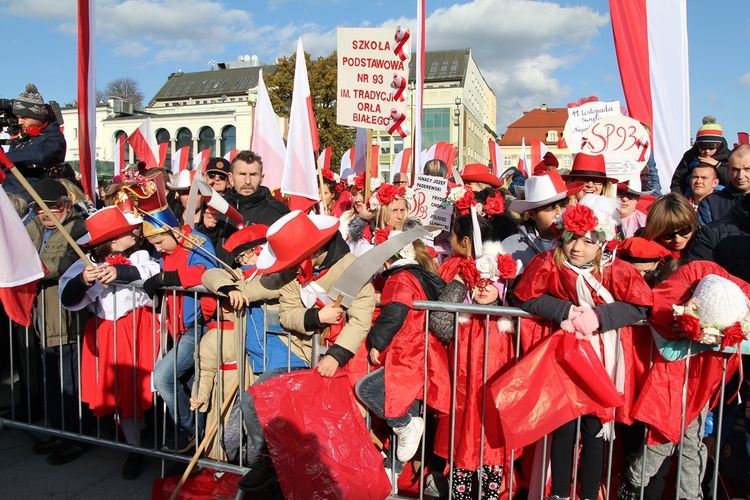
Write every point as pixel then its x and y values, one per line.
pixel 744 79
pixel 130 48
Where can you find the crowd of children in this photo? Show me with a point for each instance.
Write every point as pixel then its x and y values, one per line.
pixel 580 252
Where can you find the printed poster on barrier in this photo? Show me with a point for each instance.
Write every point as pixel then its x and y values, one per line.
pixel 429 202
pixel 373 76
pixel 623 141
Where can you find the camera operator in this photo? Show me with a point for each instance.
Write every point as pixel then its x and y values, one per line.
pixel 40 144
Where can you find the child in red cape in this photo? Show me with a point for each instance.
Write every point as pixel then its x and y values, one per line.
pixel 589 292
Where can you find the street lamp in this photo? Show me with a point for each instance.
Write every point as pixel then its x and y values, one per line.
pixel 457 124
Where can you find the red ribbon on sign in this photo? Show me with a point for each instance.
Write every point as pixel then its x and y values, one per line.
pixel 399 84
pixel 396 125
pixel 643 144
pixel 403 49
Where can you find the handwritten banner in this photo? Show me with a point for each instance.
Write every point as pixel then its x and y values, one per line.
pixel 373 72
pixel 623 141
pixel 582 118
pixel 427 206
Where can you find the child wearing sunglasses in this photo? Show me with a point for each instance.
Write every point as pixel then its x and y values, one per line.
pixel 671 222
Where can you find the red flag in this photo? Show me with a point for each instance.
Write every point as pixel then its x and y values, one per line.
pixel 180 159
pixel 119 155
pixel 300 173
pixel 21 267
pixel 87 97
pixel 324 160
pixel 266 140
pixel 143 142
pixel 163 153
pixel 201 160
pixel 538 150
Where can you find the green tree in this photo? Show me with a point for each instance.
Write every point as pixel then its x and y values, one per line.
pixel 322 74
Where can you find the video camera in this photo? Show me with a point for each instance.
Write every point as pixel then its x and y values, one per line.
pixel 10 121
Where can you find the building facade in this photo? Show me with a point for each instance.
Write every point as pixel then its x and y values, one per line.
pixel 544 124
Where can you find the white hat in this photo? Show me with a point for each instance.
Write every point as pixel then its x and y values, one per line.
pixel 184 180
pixel 543 189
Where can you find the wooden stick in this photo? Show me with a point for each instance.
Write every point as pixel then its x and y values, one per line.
pixel 206 439
pixel 223 264
pixel 51 216
pixel 327 329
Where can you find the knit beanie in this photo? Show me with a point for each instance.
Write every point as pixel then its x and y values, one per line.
pixel 30 104
pixel 710 131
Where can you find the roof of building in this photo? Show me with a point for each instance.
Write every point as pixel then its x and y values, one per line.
pixel 535 124
pixel 442 65
pixel 211 84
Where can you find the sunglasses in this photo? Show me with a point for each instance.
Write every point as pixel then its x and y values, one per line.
pixel 217 175
pixel 684 232
pixel 586 180
pixel 629 196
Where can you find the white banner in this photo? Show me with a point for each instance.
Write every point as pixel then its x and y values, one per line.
pixel 582 118
pixel 428 204
pixel 624 143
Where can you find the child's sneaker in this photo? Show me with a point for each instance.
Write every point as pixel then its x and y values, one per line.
pixel 409 437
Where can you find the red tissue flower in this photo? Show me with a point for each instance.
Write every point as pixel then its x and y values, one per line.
pixel 328 174
pixel 381 234
pixel 359 182
pixel 465 202
pixel 494 205
pixel 579 219
pixel 469 272
pixel 691 325
pixel 386 193
pixel 732 335
pixel 117 258
pixel 507 266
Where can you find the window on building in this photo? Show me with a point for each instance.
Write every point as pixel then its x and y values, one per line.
pixel 118 134
pixel 567 161
pixel 551 136
pixel 385 145
pixel 203 84
pixel 398 145
pixel 228 139
pixel 436 126
pixel 207 140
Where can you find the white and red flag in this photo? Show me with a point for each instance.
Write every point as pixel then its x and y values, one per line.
pixel 300 174
pixel 201 160
pixel 360 150
pixel 163 153
pixel 419 91
pixel 401 162
pixel 324 159
pixel 20 265
pixel 523 160
pixel 232 154
pixel 119 155
pixel 651 43
pixel 87 96
pixel 496 157
pixel 180 159
pixel 347 160
pixel 538 150
pixel 143 142
pixel 266 140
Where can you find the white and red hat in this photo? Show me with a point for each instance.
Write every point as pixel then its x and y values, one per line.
pixel 544 188
pixel 184 180
pixel 293 238
pixel 106 224
pixel 633 186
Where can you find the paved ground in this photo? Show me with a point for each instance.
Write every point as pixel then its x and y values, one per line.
pixel 94 475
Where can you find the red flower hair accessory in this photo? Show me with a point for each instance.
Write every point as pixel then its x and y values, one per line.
pixel 462 198
pixel 495 205
pixel 507 266
pixel 328 174
pixel 579 219
pixel 382 234
pixel 117 258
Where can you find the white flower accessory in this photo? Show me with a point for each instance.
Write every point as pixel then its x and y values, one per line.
pixel 374 202
pixel 375 184
pixel 487 267
pixel 409 195
pixel 456 194
pixel 351 180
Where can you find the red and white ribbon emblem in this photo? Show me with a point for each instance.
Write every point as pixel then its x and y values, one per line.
pixel 403 47
pixel 585 142
pixel 643 143
pixel 396 124
pixel 399 85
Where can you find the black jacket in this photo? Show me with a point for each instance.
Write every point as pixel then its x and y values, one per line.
pixel 679 183
pixel 46 149
pixel 726 241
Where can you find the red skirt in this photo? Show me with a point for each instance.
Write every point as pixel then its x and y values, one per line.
pixel 116 370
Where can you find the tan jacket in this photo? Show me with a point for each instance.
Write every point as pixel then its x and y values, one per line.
pixel 57 324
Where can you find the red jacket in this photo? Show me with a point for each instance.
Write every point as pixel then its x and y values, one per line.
pixel 660 401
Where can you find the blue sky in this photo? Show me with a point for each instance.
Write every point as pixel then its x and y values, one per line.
pixel 530 52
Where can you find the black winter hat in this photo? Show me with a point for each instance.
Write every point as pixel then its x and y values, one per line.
pixel 30 104
pixel 217 164
pixel 50 190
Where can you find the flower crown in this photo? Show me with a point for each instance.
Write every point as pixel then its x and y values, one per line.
pixel 494 205
pixel 580 220
pixel 330 175
pixel 462 198
pixel 689 322
pixel 386 193
pixel 358 182
pixel 495 267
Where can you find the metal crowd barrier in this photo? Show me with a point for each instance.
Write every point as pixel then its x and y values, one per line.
pixel 22 340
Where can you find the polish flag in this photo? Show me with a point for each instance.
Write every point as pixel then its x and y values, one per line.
pixel 232 154
pixel 214 200
pixel 538 150
pixel 324 160
pixel 401 162
pixel 523 160
pixel 300 176
pixel 201 160
pixel 180 159
pixel 87 96
pixel 496 158
pixel 651 43
pixel 347 160
pixel 266 140
pixel 119 155
pixel 419 91
pixel 163 153
pixel 427 155
pixel 360 150
pixel 143 142
pixel 21 266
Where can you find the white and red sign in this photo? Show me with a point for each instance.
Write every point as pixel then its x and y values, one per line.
pixel 373 73
pixel 428 204
pixel 582 118
pixel 623 141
